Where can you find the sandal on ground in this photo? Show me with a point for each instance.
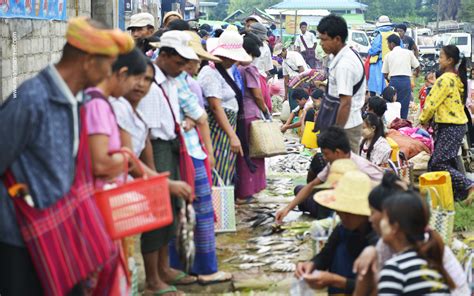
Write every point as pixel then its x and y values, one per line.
pixel 219 277
pixel 245 201
pixel 170 289
pixel 183 279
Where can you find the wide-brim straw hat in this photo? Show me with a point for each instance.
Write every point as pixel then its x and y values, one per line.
pixel 350 196
pixel 171 13
pixel 229 45
pixel 277 50
pixel 196 45
pixel 337 169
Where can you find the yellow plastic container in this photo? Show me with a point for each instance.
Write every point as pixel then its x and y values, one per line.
pixel 395 149
pixel 442 182
pixel 309 138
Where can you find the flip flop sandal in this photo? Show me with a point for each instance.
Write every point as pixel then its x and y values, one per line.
pixel 170 289
pixel 220 277
pixel 182 275
pixel 245 201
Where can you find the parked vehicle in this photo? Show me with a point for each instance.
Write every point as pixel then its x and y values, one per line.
pixel 359 41
pixel 462 40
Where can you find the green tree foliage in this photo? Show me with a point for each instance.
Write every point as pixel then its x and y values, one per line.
pixel 247 5
pixel 220 11
pixel 467 11
pixel 420 10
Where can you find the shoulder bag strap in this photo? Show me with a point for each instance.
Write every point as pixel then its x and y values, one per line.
pixel 358 84
pixel 304 42
pixel 176 125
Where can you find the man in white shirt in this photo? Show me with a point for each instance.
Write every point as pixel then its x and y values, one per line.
pixel 306 43
pixel 346 77
pixel 142 25
pixel 397 68
pixel 160 110
pixel 293 64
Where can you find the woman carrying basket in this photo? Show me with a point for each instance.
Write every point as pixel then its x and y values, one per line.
pixel 250 178
pixel 107 129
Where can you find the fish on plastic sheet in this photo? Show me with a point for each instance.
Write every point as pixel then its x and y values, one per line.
pixel 185 238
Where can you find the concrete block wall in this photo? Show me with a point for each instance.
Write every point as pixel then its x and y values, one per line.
pixel 27 46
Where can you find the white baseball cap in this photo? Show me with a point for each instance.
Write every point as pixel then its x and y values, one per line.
pixel 179 41
pixel 141 20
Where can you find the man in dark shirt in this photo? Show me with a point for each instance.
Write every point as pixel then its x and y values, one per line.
pixel 332 267
pixel 408 42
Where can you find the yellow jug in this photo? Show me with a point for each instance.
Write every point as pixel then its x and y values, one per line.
pixel 395 150
pixel 310 138
pixel 442 182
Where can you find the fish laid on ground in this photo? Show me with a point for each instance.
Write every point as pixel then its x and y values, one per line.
pixel 283 266
pixel 185 238
pixel 267 241
pixel 242 259
pixel 292 163
pixel 264 249
pixel 263 220
pixel 246 266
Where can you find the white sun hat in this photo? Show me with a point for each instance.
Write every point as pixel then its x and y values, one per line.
pixel 228 45
pixel 179 41
pixel 141 20
pixel 383 20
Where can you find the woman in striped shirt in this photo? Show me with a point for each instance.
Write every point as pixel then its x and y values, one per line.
pixel 417 269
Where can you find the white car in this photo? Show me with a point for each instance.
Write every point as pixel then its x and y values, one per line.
pixel 462 40
pixel 359 41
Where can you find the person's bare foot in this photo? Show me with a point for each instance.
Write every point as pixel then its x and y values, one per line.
pixel 177 277
pixel 470 198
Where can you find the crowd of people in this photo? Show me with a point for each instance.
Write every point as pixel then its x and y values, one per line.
pixel 181 99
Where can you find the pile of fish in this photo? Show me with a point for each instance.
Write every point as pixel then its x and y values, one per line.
pixel 293 146
pixel 271 253
pixel 291 163
pixel 280 186
pixel 259 215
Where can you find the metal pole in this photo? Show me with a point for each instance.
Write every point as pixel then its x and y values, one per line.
pixel 296 20
pixel 438 16
pixel 197 10
pixel 281 28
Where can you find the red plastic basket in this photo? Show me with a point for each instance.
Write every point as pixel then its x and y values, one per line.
pixel 136 206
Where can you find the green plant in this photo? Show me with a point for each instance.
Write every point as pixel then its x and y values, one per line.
pixel 464 218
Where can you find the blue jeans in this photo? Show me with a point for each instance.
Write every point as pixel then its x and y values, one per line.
pixel 403 86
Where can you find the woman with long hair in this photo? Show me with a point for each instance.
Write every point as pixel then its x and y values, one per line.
pixel 417 269
pixel 373 146
pixel 373 258
pixel 445 106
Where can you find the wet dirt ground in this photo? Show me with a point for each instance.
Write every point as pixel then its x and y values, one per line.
pixel 258 280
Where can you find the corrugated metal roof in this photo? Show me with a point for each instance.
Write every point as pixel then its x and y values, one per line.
pixel 320 4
